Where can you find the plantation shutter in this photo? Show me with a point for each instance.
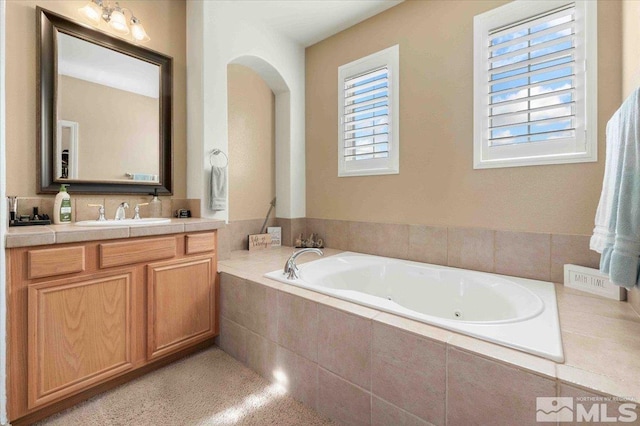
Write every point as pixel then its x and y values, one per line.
pixel 532 83
pixel 366 115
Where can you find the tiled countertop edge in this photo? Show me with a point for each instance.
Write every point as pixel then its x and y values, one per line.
pixel 588 380
pixel 60 234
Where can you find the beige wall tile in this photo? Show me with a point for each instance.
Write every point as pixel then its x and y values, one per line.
pixel 385 414
pixel 298 325
pixel 167 210
pixel 194 206
pixel 298 375
pixel 224 243
pixel 84 212
pixel 337 234
pixel 261 355
pixel 233 298
pixel 342 401
pixel 288 239
pixel 344 345
pixel 428 244
pixel 241 229
pixel 298 226
pixel 26 205
pixel 46 206
pixel 409 372
pixel 316 226
pixel 471 248
pixel 381 239
pixel 523 254
pixel 262 310
pixel 480 391
pixel 233 339
pixel 572 249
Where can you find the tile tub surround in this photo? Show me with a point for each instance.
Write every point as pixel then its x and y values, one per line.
pixel 539 256
pixel 235 236
pixel 361 366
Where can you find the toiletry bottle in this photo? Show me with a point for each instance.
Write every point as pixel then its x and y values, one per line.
pixel 62 206
pixel 155 205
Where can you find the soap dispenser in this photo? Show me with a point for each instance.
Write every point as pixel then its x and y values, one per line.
pixel 62 206
pixel 155 205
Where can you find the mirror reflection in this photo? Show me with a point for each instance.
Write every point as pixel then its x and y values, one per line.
pixel 108 115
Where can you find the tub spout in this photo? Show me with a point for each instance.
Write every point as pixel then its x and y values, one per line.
pixel 291 269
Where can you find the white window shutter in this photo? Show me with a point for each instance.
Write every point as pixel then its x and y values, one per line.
pixel 531 87
pixel 368 142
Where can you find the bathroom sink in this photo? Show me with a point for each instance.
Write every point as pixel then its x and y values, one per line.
pixel 124 222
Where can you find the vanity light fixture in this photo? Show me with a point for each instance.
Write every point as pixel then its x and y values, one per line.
pixel 95 10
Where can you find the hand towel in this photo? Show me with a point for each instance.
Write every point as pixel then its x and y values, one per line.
pixel 218 195
pixel 143 176
pixel 617 226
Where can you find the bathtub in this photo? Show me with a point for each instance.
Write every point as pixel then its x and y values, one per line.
pixel 514 312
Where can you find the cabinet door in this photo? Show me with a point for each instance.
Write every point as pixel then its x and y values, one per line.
pixel 181 298
pixel 79 334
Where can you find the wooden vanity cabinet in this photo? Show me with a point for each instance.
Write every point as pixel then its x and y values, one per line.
pixel 84 317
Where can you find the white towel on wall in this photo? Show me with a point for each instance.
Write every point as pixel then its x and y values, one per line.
pixel 218 189
pixel 617 229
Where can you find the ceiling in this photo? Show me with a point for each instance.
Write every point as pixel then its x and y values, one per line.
pixel 309 21
pixel 90 62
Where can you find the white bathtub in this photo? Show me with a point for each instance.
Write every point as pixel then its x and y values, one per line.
pixel 514 312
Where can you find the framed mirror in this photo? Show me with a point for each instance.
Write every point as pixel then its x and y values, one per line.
pixel 104 111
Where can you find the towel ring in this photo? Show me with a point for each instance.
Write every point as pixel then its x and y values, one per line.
pixel 216 152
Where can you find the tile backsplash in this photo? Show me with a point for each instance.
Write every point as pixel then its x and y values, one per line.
pixel 532 255
pixel 82 211
pixel 538 256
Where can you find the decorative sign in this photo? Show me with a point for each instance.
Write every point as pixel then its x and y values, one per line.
pixel 592 281
pixel 276 235
pixel 259 242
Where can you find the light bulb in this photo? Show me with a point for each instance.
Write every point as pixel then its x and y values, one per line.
pixel 92 12
pixel 118 21
pixel 137 30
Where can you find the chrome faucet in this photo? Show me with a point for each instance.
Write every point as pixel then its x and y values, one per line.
pixel 291 269
pixel 136 210
pixel 100 211
pixel 120 211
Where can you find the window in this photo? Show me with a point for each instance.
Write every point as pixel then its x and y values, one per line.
pixel 368 142
pixel 535 86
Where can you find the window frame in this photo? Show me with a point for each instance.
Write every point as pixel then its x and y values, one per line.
pixel 388 57
pixel 584 147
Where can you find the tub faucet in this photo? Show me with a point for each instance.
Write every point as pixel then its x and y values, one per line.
pixel 120 215
pixel 291 269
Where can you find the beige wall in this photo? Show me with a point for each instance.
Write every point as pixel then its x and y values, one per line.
pixel 630 40
pixel 165 22
pixel 125 143
pixel 251 119
pixel 437 183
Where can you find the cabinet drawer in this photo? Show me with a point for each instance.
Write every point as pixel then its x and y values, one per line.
pixel 55 261
pixel 200 243
pixel 130 252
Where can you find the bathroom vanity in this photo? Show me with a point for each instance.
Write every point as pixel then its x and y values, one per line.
pixel 88 315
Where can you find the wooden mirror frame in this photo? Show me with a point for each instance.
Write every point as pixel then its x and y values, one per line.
pixel 48 25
